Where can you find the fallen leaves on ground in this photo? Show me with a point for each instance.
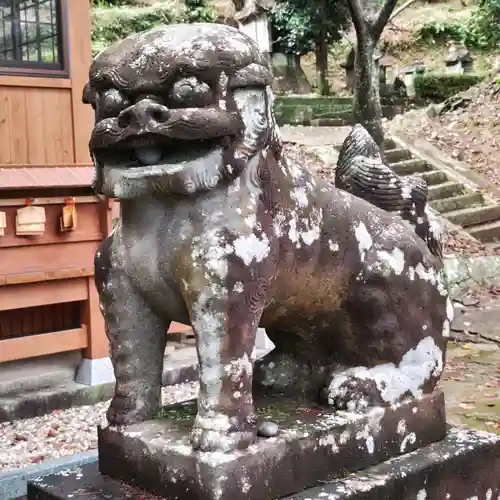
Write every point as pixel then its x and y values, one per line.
pixel 470 133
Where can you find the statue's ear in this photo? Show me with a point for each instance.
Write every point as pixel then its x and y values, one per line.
pixel 88 95
pixel 253 75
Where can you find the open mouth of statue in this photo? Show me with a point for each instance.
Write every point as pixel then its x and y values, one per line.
pixel 158 151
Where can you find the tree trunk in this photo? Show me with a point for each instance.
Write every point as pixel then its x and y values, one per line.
pixel 322 66
pixel 367 105
pixel 302 81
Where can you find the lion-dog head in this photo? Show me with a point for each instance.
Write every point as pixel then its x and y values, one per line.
pixel 178 110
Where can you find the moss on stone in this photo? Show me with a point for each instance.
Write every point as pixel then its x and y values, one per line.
pixel 288 413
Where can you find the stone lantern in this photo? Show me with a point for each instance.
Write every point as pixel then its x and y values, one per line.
pixel 458 59
pixel 253 20
pixel 408 74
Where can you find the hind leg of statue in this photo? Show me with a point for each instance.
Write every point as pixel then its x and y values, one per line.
pixel 137 338
pixel 396 361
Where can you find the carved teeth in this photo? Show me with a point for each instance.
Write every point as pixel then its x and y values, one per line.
pixel 148 155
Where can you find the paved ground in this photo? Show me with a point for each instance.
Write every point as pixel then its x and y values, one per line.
pixel 314 136
pixel 472 377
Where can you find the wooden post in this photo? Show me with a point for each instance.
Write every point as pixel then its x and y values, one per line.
pixel 98 345
pixel 80 57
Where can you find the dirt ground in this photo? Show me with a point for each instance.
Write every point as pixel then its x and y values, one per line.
pixel 470 133
pixel 471 381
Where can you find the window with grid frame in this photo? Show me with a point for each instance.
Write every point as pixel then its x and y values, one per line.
pixel 30 34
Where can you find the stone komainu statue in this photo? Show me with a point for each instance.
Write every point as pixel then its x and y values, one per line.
pixel 219 230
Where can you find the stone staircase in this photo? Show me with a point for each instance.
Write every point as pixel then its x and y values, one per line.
pixel 457 202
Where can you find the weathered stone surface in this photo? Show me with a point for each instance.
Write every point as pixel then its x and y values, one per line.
pixel 314 444
pixel 218 229
pixel 463 466
pixel 361 171
pixel 463 272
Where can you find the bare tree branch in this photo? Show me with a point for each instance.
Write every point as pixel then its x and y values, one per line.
pixel 357 15
pixel 383 18
pixel 401 9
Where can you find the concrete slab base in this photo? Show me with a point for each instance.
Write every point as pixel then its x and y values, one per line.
pixel 27 375
pixel 29 400
pixel 464 465
pixel 180 367
pixel 95 371
pixel 315 443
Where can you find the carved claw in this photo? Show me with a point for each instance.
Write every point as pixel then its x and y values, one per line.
pixel 218 434
pixel 353 395
pixel 282 372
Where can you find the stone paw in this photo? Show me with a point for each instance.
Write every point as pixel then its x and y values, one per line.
pixel 122 411
pixel 352 394
pixel 219 434
pixel 207 440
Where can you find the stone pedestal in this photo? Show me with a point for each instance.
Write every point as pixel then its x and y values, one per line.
pixel 314 445
pixel 465 465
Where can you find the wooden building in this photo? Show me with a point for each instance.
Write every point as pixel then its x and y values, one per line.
pixel 48 302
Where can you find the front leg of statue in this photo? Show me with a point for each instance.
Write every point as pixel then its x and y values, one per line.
pixel 137 338
pixel 225 330
pixel 225 311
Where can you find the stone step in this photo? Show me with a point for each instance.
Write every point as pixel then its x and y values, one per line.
pixel 473 216
pixel 486 233
pixel 445 190
pixel 389 144
pixel 409 167
pixel 433 177
pixel 397 154
pixel 330 122
pixel 459 202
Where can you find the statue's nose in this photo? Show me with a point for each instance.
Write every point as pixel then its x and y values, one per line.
pixel 143 114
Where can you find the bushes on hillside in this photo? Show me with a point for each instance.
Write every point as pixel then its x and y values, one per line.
pixel 481 31
pixel 437 87
pixel 115 21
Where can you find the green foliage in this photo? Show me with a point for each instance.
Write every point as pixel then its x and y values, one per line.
pixel 297 24
pixel 123 24
pixel 291 29
pixel 440 32
pixel 481 31
pixel 110 3
pixel 115 21
pixel 438 87
pixel 197 11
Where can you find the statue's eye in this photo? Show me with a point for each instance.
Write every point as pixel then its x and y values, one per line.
pixel 110 103
pixel 191 92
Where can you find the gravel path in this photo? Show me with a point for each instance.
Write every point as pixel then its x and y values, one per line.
pixel 64 432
